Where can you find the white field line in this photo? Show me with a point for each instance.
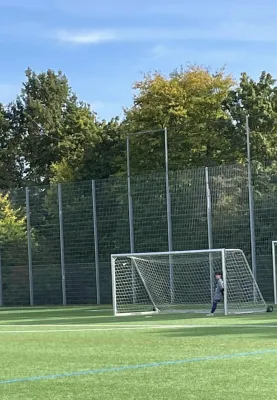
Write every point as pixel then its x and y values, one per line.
pixel 127 325
pixel 92 325
pixel 102 310
pixel 133 327
pixel 55 310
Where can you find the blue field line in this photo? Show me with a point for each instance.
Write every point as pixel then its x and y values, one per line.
pixel 136 367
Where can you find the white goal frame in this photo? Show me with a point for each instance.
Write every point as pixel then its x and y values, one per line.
pixel 274 244
pixel 222 251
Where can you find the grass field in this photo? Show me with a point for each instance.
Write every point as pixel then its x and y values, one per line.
pixel 86 353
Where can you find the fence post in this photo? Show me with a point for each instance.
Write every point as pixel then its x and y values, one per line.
pixel 131 216
pixel 251 201
pixel 130 202
pixel 96 253
pixel 209 208
pixel 1 281
pixel 62 243
pixel 210 229
pixel 169 216
pixel 168 198
pixel 29 241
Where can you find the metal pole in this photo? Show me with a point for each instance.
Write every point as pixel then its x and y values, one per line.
pixel 168 199
pixel 29 243
pixel 169 216
pixel 274 271
pixel 113 260
pixel 1 280
pixel 131 219
pixel 130 202
pixel 223 260
pixel 96 253
pixel 62 243
pixel 210 230
pixel 251 201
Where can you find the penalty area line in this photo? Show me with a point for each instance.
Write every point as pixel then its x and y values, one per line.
pixel 129 328
pixel 125 368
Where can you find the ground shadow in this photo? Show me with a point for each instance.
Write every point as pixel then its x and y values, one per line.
pixel 206 331
pixel 91 315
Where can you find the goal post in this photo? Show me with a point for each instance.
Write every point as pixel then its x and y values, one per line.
pixel 274 244
pixel 182 281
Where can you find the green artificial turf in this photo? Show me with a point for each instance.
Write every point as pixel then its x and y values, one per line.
pixel 217 356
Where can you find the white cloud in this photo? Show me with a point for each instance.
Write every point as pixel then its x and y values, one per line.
pixel 235 10
pixel 222 32
pixel 89 37
pixel 249 20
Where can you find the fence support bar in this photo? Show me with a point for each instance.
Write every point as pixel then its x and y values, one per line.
pixel 29 241
pixel 96 252
pixel 62 243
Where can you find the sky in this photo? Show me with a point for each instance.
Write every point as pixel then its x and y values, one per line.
pixel 104 46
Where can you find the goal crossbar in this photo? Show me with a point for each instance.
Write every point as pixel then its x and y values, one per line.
pixel 171 253
pixel 183 281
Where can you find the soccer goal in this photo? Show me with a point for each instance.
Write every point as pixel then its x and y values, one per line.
pixel 183 281
pixel 274 244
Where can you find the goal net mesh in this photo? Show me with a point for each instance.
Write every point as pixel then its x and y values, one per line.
pixel 183 282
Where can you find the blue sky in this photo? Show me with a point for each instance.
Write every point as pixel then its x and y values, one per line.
pixel 103 46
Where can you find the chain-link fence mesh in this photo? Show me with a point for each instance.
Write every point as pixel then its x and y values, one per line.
pixel 113 227
pixel 14 248
pixel 62 230
pixel 149 213
pixel 189 210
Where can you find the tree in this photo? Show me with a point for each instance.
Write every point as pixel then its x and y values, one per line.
pixel 106 158
pixel 39 110
pixel 189 104
pixel 51 123
pixel 259 101
pixel 12 224
pixel 10 163
pixel 80 135
pixel 99 158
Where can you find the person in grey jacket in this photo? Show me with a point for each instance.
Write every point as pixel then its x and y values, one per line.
pixel 218 293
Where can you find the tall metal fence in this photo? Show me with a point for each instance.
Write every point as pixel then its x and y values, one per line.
pixel 60 254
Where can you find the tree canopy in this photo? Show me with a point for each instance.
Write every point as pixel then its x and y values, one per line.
pixel 48 135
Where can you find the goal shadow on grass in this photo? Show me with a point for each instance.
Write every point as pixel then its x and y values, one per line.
pixel 92 316
pixel 88 318
pixel 262 332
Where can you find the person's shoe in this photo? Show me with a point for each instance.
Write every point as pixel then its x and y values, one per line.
pixel 210 315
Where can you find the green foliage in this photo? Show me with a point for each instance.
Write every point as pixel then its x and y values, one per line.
pixel 48 135
pixel 13 243
pixel 40 109
pixel 107 157
pixel 189 104
pixel 62 172
pixel 52 125
pixel 10 163
pixel 12 224
pixel 259 101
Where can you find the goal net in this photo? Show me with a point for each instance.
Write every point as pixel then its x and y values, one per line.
pixel 183 281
